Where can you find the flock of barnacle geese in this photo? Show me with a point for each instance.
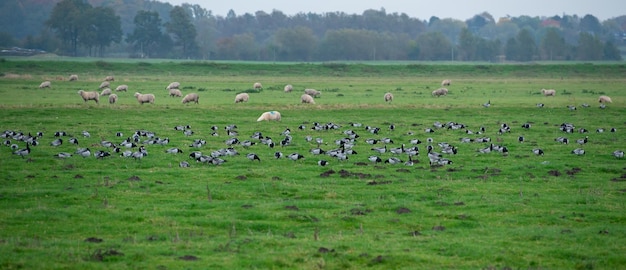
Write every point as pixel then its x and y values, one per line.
pixel 135 146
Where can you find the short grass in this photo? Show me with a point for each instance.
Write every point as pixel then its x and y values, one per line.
pixel 557 211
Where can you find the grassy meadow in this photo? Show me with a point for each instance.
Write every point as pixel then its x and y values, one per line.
pixel 483 211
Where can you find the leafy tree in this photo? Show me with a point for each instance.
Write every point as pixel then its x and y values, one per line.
pixel 590 24
pixel 501 31
pixel 147 34
pixel 184 31
pixel 611 52
pixel 295 44
pixel 467 45
pixel 589 48
pixel 66 20
pixel 526 47
pixel 434 46
pixel 100 28
pixel 7 40
pixel 450 28
pixel 511 49
pixel 553 46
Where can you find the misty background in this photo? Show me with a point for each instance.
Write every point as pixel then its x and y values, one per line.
pixel 153 29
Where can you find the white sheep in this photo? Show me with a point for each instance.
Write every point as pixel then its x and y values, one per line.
pixel 95 96
pixel 73 77
pixel 191 97
pixel 605 99
pixel 312 92
pixel 446 82
pixel 288 88
pixel 388 97
pixel 175 93
pixel 112 98
pixel 307 99
pixel 440 92
pixel 45 84
pixel 242 97
pixel 144 98
pixel 106 92
pixel 109 79
pixel 174 85
pixel 122 87
pixel 548 92
pixel 257 86
pixel 104 84
pixel 271 115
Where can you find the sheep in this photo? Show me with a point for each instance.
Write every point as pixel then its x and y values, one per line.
pixel 104 84
pixel 174 85
pixel 242 97
pixel 271 115
pixel 312 92
pixel 288 88
pixel 112 98
pixel 388 97
pixel 191 97
pixel 45 84
pixel 440 92
pixel 605 99
pixel 257 86
pixel 122 87
pixel 548 92
pixel 175 93
pixel 73 77
pixel 106 92
pixel 109 79
pixel 95 96
pixel 446 82
pixel 307 99
pixel 144 98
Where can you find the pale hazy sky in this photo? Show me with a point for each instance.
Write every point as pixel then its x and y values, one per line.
pixel 422 9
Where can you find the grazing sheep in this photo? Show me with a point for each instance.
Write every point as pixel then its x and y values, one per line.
pixel 257 86
pixel 122 87
pixel 446 82
pixel 605 99
pixel 312 92
pixel 307 99
pixel 174 85
pixel 440 92
pixel 109 79
pixel 271 115
pixel 242 97
pixel 191 97
pixel 112 98
pixel 45 84
pixel 548 92
pixel 388 97
pixel 104 84
pixel 144 98
pixel 73 77
pixel 175 93
pixel 106 92
pixel 288 88
pixel 95 96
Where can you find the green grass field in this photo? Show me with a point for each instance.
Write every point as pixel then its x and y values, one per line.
pixel 485 210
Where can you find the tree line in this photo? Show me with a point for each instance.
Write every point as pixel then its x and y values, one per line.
pixel 149 29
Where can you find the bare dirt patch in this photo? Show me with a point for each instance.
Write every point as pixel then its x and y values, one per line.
pixel 188 258
pixel 373 182
pixel 554 173
pixel 403 210
pixel 93 240
pixel 134 178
